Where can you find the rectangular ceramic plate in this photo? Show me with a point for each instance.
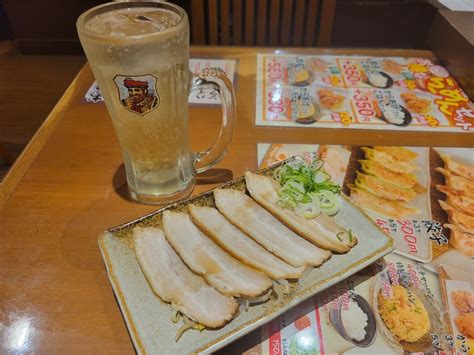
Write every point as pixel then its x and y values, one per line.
pixel 149 319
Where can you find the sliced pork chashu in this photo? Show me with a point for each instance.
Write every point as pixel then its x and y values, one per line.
pixel 267 230
pixel 173 282
pixel 239 245
pixel 322 231
pixel 204 257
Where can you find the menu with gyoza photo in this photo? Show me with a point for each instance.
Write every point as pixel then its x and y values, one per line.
pixel 423 197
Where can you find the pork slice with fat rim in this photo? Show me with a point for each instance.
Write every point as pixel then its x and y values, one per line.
pixel 239 245
pixel 173 282
pixel 322 231
pixel 205 258
pixel 267 230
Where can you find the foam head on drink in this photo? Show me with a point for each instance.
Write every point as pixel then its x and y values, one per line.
pixel 140 58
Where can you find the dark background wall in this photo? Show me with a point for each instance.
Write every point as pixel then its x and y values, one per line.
pixel 49 27
pixel 382 23
pixel 40 27
pixel 5 32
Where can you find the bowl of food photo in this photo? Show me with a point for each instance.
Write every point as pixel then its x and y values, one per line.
pixel 396 115
pixel 406 317
pixel 303 108
pixel 354 321
pixel 379 79
pixel 299 74
pixel 331 99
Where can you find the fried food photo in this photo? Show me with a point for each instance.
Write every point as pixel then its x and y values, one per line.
pixel 381 188
pixel 465 324
pixel 319 65
pixel 463 300
pixel 373 168
pixel 385 182
pixel 462 220
pixel 455 185
pixel 404 314
pixel 304 112
pixel 330 100
pixel 459 203
pixel 457 168
pixel 380 205
pixel 400 153
pixel 416 104
pixel 460 240
pixel 392 66
pixel 389 161
pixel 300 77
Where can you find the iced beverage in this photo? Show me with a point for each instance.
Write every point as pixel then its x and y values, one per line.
pixel 139 54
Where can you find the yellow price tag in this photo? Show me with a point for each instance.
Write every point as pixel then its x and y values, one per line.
pixel 334 80
pixel 432 121
pixel 410 84
pixel 346 119
pixel 418 68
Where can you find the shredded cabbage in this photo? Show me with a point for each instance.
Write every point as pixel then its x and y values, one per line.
pixel 307 189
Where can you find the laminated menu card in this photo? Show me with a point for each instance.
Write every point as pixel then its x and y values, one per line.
pixel 206 95
pixel 418 299
pixel 423 197
pixel 389 93
pixel 392 308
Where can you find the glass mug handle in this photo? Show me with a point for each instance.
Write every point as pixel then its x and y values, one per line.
pixel 217 79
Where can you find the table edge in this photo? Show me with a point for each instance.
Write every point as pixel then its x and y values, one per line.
pixel 34 146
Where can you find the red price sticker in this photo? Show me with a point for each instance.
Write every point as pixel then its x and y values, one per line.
pixel 363 104
pixel 275 72
pixel 351 72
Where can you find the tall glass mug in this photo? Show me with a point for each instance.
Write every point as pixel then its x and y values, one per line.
pixel 139 53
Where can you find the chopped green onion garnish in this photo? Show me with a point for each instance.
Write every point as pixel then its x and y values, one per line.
pixel 307 189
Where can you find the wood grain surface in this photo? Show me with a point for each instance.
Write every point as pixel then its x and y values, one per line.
pixel 54 293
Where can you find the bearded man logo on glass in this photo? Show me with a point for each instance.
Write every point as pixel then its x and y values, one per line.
pixel 139 100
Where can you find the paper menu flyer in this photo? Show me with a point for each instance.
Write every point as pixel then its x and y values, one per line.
pixel 295 332
pixel 204 95
pixel 421 225
pixel 356 315
pixel 359 92
pixel 360 314
pixel 458 296
pixel 201 95
pixel 459 318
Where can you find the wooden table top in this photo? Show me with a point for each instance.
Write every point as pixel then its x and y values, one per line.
pixel 69 185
